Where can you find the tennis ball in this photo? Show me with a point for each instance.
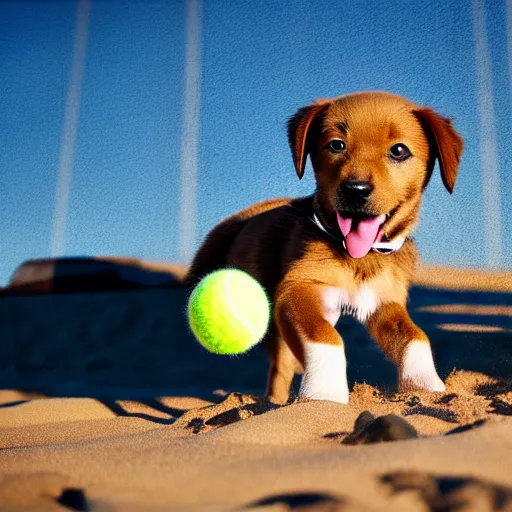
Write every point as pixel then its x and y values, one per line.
pixel 228 312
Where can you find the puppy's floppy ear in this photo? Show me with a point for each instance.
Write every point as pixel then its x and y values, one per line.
pixel 445 145
pixel 298 128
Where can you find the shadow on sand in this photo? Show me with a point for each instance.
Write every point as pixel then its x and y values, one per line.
pixel 132 344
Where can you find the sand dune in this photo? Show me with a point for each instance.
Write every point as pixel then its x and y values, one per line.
pixel 109 404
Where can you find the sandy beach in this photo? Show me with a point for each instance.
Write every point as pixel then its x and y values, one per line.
pixel 108 404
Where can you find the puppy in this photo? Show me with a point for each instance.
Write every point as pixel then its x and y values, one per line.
pixel 347 249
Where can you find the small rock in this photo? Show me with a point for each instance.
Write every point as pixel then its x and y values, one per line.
pixel 368 430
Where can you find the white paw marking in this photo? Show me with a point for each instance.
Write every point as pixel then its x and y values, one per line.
pixel 325 373
pixel 417 370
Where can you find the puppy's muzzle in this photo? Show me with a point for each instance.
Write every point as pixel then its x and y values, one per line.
pixel 355 192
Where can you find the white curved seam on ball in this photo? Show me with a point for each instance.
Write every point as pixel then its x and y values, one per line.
pixel 233 309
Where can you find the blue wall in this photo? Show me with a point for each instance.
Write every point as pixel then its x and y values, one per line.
pixel 260 62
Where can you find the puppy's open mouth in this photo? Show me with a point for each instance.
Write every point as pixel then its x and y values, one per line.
pixel 360 231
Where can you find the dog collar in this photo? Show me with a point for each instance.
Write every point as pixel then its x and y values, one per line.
pixel 380 247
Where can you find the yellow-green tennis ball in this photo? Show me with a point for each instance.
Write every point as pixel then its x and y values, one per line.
pixel 228 312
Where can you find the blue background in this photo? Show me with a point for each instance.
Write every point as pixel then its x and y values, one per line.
pixel 260 62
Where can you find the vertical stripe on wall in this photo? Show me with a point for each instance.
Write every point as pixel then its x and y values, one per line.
pixel 69 131
pixel 190 131
pixel 509 49
pixel 488 140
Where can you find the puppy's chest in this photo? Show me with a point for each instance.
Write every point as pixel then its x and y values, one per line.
pixel 360 301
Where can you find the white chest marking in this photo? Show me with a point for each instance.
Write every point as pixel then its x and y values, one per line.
pixel 361 304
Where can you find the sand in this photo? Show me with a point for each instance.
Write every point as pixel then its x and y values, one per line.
pixel 183 430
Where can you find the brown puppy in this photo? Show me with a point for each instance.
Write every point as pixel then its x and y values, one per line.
pixel 346 249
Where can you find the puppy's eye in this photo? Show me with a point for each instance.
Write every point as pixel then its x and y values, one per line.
pixel 399 152
pixel 336 146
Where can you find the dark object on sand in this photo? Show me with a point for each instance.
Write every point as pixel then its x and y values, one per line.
pixel 443 494
pixel 301 501
pixel 368 429
pixel 74 499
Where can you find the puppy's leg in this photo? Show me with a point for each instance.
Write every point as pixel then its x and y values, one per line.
pixel 306 315
pixel 407 346
pixel 283 366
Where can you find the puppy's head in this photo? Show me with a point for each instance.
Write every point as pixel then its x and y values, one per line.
pixel 372 154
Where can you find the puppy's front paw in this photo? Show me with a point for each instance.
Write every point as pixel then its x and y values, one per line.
pixel 325 373
pixel 314 391
pixel 417 371
pixel 422 383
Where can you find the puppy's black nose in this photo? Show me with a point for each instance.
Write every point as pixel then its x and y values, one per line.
pixel 358 191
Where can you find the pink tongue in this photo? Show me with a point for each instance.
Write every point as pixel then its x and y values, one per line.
pixel 360 238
